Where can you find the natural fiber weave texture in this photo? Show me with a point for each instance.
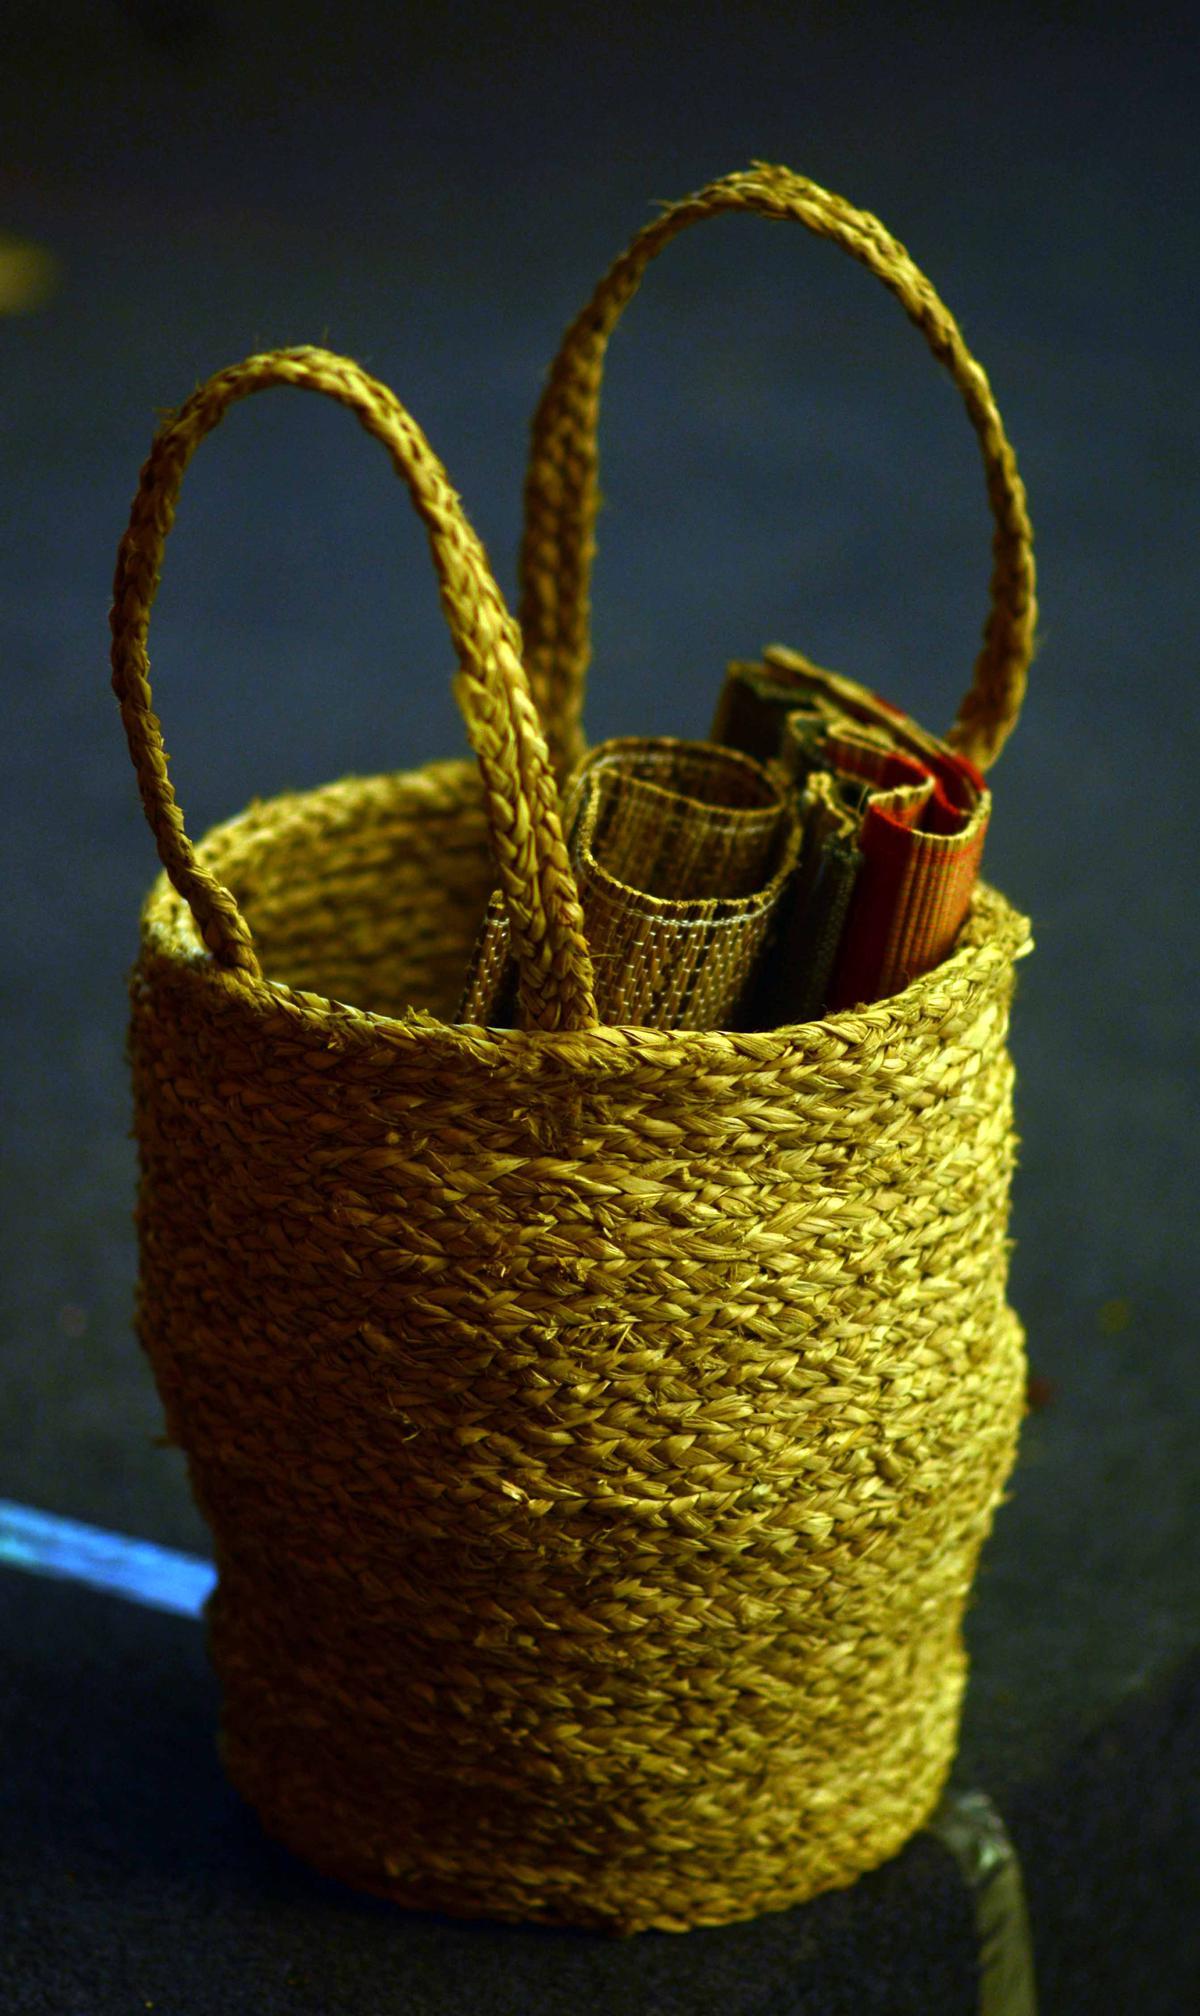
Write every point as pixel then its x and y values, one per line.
pixel 598 1432
pixel 597 1426
pixel 562 487
pixel 526 833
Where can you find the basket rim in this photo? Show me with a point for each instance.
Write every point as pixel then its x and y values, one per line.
pixel 995 934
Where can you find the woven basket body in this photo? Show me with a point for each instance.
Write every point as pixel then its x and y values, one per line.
pixel 597 1432
pixel 597 1426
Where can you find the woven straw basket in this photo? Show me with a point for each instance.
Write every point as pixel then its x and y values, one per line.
pixel 597 1426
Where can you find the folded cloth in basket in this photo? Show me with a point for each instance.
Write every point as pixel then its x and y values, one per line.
pixel 883 889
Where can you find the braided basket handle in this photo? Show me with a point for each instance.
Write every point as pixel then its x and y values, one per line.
pixel 502 724
pixel 561 494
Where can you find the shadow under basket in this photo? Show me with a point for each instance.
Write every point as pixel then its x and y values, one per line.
pixel 597 1431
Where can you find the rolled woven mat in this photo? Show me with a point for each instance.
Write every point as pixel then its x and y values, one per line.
pixel 683 854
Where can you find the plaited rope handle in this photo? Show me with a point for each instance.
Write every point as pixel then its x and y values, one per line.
pixel 521 796
pixel 561 495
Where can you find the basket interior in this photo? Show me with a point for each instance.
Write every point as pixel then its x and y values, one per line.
pixel 369 891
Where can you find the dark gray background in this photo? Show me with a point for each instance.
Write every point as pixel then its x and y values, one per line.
pixel 434 190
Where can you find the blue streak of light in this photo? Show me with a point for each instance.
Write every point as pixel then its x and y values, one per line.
pixel 135 1569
